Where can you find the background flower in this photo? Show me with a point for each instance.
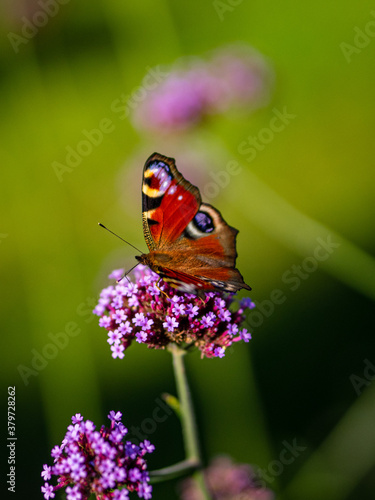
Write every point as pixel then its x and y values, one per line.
pixel 231 78
pixel 226 480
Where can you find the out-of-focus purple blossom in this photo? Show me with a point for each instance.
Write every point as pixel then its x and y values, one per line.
pixel 158 315
pixel 227 481
pixel 98 462
pixel 234 77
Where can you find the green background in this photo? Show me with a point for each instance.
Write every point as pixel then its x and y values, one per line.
pixel 294 381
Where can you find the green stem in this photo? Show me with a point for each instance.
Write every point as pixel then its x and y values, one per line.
pixel 189 429
pixel 187 413
pixel 176 470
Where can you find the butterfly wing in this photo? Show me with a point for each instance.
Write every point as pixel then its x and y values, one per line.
pixel 191 246
pixel 207 250
pixel 169 201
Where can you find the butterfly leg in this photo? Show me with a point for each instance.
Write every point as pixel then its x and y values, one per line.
pixel 202 296
pixel 160 290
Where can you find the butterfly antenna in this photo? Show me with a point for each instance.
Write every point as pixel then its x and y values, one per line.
pixel 122 239
pixel 125 275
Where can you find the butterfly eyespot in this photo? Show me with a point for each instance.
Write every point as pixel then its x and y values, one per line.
pixel 203 222
pixel 157 179
pixel 159 167
pixel 199 226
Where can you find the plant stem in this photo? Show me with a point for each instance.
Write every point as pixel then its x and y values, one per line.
pixel 189 429
pixel 173 471
pixel 187 412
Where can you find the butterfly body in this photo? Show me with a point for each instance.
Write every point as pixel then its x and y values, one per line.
pixel 190 245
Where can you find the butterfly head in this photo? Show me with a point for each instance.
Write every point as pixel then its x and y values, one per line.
pixel 154 260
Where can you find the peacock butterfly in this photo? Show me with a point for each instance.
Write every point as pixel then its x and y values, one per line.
pixel 190 245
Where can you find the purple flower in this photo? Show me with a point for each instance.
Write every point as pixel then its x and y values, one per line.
pixel 226 480
pixel 114 337
pixel 119 315
pixel 116 274
pixel 192 310
pixel 170 324
pixel 56 452
pixel 75 461
pixel 117 302
pixel 117 351
pixel 161 318
pixel 245 335
pixel 97 462
pixel 219 352
pixel 46 473
pixel 145 491
pixel 220 303
pixel 147 446
pixel 105 322
pixel 224 315
pixel 208 320
pixel 247 303
pixel 99 309
pixel 73 493
pixel 234 77
pixel 178 309
pixel 125 328
pixel 141 336
pixel 115 417
pixel 77 418
pixel 134 475
pixel 47 489
pixel 120 495
pixel 232 329
pixel 140 320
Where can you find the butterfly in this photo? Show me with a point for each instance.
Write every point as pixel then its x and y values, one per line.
pixel 190 245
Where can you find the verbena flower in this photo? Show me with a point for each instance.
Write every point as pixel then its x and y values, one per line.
pixel 227 481
pixel 157 315
pixel 234 77
pixel 98 462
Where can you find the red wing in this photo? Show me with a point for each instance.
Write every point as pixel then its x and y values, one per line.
pixel 169 201
pixel 223 279
pixel 184 282
pixel 205 256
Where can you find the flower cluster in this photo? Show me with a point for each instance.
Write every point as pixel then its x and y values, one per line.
pixel 232 78
pixel 98 462
pixel 156 315
pixel 227 481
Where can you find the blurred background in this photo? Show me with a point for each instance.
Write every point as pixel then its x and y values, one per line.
pixel 78 120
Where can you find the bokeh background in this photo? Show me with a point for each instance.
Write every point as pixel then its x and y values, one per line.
pixel 305 378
